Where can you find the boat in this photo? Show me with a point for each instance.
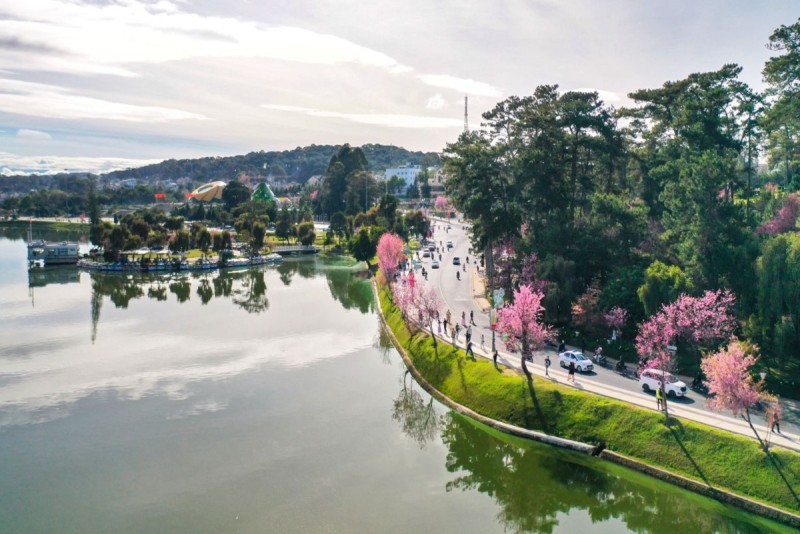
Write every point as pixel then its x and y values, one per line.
pixel 41 252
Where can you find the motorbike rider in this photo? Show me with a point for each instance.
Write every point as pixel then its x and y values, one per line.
pixel 599 357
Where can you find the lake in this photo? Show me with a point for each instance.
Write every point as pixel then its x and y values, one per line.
pixel 267 400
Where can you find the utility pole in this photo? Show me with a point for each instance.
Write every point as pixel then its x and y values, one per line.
pixel 466 121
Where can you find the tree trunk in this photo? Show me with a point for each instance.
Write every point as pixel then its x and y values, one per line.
pixel 746 417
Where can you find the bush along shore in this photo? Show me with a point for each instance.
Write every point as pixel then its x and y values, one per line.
pixel 730 468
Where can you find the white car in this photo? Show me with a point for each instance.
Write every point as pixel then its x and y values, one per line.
pixel 582 363
pixel 434 264
pixel 650 379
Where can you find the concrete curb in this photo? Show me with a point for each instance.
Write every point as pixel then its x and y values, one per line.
pixel 720 495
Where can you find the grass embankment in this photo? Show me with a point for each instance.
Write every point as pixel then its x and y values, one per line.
pixel 720 459
pixel 55 226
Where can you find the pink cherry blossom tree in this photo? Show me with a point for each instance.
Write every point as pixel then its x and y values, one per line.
pixel 730 382
pixel 786 218
pixel 700 321
pixel 426 303
pixel 616 318
pixel 442 203
pixel 390 254
pixel 521 321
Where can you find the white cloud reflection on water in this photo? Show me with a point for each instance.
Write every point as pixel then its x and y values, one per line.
pixel 163 349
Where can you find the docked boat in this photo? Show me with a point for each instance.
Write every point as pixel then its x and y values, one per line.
pixel 41 252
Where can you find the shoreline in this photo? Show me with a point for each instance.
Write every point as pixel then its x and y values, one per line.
pixel 762 509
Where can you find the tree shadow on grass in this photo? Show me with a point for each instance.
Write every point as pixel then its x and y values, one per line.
pixel 778 464
pixel 536 406
pixel 676 428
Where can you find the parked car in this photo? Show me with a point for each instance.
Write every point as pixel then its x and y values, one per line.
pixel 650 379
pixel 432 247
pixel 456 260
pixel 434 264
pixel 426 254
pixel 449 244
pixel 582 363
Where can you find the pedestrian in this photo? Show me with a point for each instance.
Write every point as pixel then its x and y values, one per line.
pixel 660 398
pixel 471 317
pixel 482 343
pixel 458 330
pixel 562 347
pixel 445 324
pixel 440 326
pixel 469 349
pixel 464 318
pixel 571 373
pixel 775 423
pixel 547 365
pixel 452 333
pixel 494 357
pixel 448 316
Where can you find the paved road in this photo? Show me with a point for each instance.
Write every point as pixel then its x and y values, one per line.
pixel 465 295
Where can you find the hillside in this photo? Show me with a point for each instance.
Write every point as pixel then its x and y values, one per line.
pixel 295 165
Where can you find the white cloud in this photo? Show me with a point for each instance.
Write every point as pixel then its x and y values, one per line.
pixel 12 164
pixel 112 38
pixel 33 134
pixel 374 119
pixel 41 100
pixel 436 102
pixel 463 85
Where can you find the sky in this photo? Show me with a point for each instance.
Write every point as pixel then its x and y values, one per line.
pixel 95 86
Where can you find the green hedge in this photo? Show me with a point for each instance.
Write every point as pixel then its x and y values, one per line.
pixel 697 451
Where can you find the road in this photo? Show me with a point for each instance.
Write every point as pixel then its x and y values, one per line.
pixel 465 296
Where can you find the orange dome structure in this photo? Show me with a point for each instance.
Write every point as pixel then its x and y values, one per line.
pixel 209 192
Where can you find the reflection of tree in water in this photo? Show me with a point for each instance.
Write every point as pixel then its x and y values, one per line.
pixel 251 296
pixel 533 483
pixel 351 291
pixel 97 305
pixel 205 291
pixel 305 267
pixel 418 420
pixel 157 292
pixel 182 289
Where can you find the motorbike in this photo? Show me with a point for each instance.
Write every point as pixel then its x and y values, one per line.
pixel 698 385
pixel 600 359
pixel 621 368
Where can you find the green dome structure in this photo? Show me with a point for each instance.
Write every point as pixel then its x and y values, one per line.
pixel 263 193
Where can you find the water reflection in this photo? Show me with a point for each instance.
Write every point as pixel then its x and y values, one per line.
pixel 535 486
pixel 418 419
pixel 247 289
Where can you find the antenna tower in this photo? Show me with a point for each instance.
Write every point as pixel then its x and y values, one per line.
pixel 466 121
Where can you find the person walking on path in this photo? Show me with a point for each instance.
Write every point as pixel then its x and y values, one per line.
pixel 494 357
pixel 547 365
pixel 458 330
pixel 448 316
pixel 440 326
pixel 660 398
pixel 452 333
pixel 469 349
pixel 775 423
pixel 464 318
pixel 483 340
pixel 472 317
pixel 571 372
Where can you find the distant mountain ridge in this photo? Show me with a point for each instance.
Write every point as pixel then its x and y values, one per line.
pixel 296 165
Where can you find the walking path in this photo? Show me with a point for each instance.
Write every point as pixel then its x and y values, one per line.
pixel 460 297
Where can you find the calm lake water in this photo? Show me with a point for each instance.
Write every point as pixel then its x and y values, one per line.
pixel 267 400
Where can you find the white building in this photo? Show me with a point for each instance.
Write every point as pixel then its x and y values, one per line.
pixel 408 174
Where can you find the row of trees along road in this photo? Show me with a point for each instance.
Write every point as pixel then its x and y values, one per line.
pixel 628 209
